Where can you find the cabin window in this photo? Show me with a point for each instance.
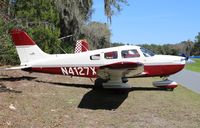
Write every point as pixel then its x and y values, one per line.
pixel 111 55
pixel 132 53
pixel 95 57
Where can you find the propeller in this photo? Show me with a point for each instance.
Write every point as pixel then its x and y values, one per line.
pixel 187 59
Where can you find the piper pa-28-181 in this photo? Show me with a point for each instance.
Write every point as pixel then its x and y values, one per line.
pixel 113 66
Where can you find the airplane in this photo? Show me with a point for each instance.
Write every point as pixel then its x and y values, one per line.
pixel 112 67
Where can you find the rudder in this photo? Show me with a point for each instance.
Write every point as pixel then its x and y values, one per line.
pixel 81 46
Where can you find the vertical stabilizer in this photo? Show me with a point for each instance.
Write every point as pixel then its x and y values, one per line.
pixel 27 49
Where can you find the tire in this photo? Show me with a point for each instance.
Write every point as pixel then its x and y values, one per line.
pixel 98 84
pixel 124 80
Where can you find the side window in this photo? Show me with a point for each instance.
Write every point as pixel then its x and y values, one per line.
pixel 95 57
pixel 111 55
pixel 130 53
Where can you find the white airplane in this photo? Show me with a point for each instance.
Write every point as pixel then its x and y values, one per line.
pixel 111 66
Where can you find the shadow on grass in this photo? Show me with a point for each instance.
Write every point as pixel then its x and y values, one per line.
pixel 67 84
pixel 17 78
pixel 107 99
pixel 3 88
pixel 101 89
pixel 103 99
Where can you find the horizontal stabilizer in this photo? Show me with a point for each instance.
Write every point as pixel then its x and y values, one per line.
pixel 15 68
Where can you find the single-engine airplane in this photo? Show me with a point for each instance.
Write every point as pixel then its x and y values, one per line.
pixel 111 66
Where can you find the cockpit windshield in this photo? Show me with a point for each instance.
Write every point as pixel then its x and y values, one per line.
pixel 147 53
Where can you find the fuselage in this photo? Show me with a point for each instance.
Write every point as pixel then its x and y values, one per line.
pixel 86 64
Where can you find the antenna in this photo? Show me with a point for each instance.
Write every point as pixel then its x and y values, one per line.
pixel 64 38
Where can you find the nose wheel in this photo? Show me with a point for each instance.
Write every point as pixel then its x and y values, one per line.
pixel 166 84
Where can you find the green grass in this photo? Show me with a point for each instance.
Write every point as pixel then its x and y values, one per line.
pixel 194 66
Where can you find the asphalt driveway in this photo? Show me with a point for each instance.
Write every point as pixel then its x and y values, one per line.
pixel 189 79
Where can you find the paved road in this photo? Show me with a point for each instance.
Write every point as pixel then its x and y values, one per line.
pixel 189 79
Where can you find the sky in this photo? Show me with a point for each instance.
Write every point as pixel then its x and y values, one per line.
pixel 152 21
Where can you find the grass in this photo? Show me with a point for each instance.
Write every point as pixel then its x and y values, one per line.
pixel 194 66
pixel 53 101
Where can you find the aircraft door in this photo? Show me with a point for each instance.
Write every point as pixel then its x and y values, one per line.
pixel 131 55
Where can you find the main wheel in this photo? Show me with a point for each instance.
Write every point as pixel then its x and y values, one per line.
pixel 124 80
pixel 98 84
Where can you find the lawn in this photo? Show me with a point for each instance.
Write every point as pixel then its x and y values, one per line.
pixel 58 101
pixel 194 66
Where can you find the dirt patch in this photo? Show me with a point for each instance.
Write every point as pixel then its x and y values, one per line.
pixel 41 100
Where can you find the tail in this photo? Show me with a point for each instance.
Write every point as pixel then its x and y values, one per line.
pixel 27 49
pixel 81 46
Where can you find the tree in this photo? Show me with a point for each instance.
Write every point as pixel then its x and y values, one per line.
pixel 46 39
pixel 196 48
pixel 41 20
pixel 45 21
pixel 8 54
pixel 98 34
pixel 188 46
pixel 115 44
pixel 38 17
pixel 74 14
pixel 37 11
pixel 166 49
pixel 111 5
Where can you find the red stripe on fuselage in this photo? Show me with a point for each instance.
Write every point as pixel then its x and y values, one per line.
pixel 150 70
pixel 69 71
pixel 162 70
pixel 122 65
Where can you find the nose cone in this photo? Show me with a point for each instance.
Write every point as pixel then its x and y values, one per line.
pixel 177 63
pixel 169 59
pixel 181 60
pixel 164 65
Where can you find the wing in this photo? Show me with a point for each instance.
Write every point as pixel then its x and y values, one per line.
pixel 113 73
pixel 120 70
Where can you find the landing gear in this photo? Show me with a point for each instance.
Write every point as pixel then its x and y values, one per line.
pixel 124 80
pixel 165 84
pixel 164 77
pixel 114 83
pixel 111 86
pixel 99 83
